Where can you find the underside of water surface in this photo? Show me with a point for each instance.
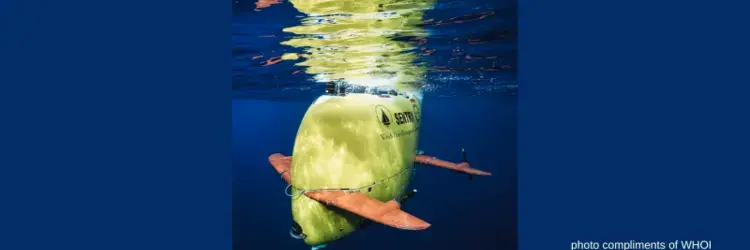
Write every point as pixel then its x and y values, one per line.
pixel 289 50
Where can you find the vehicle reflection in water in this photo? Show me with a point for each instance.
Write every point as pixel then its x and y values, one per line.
pixel 364 43
pixel 289 50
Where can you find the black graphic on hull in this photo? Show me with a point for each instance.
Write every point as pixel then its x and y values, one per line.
pixel 385 120
pixel 383 115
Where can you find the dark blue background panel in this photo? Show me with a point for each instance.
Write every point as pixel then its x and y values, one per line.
pixel 633 123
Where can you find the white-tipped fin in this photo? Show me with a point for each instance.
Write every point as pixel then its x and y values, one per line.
pixel 318 247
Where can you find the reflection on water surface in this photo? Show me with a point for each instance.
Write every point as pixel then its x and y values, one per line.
pixel 444 48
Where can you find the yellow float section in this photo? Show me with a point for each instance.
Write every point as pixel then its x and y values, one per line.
pixel 345 142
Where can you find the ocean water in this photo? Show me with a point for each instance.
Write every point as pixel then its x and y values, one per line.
pixel 461 54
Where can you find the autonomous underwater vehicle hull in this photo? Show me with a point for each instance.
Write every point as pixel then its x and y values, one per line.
pixel 353 158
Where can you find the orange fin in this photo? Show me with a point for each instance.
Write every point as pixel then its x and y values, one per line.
pixel 388 213
pixel 282 164
pixel 461 167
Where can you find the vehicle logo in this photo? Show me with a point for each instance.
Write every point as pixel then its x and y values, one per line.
pixel 383 115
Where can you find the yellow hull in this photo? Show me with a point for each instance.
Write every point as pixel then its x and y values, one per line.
pixel 358 141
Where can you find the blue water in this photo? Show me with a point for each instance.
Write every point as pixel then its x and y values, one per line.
pixel 469 102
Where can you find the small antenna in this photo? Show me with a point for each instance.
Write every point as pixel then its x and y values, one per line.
pixel 463 154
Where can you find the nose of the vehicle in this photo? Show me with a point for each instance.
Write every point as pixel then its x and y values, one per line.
pixel 296 231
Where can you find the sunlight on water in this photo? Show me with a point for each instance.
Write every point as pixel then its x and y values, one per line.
pixel 353 41
pixel 289 50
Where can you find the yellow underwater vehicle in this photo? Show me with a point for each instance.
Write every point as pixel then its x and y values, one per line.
pixel 355 152
pixel 353 158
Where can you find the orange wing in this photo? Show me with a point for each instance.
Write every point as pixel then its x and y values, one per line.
pixel 461 167
pixel 282 164
pixel 388 213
